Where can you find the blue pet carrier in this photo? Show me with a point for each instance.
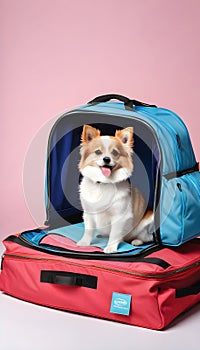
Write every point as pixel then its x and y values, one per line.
pixel 165 168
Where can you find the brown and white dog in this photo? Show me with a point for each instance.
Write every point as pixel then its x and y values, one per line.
pixel 110 204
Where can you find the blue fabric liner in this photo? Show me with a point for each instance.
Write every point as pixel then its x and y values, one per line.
pixel 75 232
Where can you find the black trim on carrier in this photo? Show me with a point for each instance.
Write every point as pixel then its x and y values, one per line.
pixel 182 172
pixel 68 279
pixel 156 234
pixel 141 257
pixel 196 240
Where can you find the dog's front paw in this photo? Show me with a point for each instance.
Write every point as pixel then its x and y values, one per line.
pixel 83 242
pixel 112 248
pixel 137 242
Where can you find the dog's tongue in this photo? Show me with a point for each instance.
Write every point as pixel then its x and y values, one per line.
pixel 105 171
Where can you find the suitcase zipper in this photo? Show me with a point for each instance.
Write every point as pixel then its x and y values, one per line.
pixel 119 271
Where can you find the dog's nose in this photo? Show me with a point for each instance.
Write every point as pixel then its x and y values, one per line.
pixel 106 160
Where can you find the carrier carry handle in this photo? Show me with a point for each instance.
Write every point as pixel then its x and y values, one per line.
pixel 127 101
pixel 68 279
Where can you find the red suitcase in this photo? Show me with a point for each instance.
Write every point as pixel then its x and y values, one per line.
pixel 148 290
pixel 147 285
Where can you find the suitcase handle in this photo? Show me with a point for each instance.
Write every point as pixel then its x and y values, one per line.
pixel 68 279
pixel 127 102
pixel 187 291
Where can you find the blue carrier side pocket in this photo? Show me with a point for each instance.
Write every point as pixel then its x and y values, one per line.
pixel 180 209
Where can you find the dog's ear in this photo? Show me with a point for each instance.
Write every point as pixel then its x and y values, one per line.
pixel 89 133
pixel 125 136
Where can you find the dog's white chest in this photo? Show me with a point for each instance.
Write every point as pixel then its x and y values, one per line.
pixel 97 198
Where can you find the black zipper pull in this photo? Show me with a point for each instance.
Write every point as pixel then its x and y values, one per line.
pixel 179 187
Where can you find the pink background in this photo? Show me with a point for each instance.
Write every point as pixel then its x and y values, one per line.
pixel 58 54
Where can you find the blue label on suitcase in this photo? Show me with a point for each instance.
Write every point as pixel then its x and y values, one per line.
pixel 120 304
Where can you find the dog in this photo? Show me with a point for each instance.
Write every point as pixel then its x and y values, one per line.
pixel 110 204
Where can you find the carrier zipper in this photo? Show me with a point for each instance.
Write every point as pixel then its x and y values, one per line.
pixel 119 271
pixel 91 256
pixel 176 142
pixel 176 137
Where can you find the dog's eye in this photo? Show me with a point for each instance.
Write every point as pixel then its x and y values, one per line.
pixel 115 153
pixel 98 152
